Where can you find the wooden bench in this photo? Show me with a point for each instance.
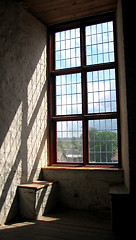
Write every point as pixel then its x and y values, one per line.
pixel 37 198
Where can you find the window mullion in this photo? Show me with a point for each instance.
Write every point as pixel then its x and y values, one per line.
pixel 52 100
pixel 83 48
pixel 84 96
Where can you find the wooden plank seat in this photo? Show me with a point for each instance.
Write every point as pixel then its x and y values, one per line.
pixel 36 184
pixel 37 198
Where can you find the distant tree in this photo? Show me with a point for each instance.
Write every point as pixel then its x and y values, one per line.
pixel 69 143
pixel 102 145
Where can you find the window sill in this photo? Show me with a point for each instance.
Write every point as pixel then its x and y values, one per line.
pixel 85 168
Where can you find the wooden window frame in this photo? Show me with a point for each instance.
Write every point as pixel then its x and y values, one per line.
pixel 83 69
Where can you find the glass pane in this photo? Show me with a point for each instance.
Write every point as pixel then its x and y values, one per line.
pixel 100 43
pixel 68 94
pixel 101 87
pixel 103 146
pixel 69 142
pixel 67 48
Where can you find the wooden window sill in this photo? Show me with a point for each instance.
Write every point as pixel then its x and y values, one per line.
pixel 84 168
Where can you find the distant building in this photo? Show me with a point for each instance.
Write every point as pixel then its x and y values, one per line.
pixel 69 155
pixel 74 158
pixel 114 159
pixel 61 157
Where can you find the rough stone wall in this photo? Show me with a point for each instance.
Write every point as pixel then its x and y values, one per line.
pixel 23 101
pixel 85 189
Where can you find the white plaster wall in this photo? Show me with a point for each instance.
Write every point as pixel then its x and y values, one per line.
pixel 23 100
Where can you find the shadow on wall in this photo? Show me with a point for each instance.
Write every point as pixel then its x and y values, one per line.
pixel 23 101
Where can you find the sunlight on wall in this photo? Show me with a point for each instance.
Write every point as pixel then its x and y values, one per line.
pixel 23 103
pixel 10 167
pixel 35 139
pixel 10 147
pixel 37 115
pixel 24 149
pixel 36 84
pixel 42 199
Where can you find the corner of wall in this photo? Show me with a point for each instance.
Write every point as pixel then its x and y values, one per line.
pixel 123 98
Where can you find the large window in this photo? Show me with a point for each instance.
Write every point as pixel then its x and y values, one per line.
pixel 83 93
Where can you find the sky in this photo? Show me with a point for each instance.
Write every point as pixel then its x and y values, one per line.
pixel 99 46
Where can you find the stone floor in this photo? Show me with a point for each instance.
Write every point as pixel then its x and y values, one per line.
pixel 64 225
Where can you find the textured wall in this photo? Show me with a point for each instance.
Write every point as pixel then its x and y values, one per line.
pixel 85 189
pixel 130 62
pixel 123 97
pixel 23 101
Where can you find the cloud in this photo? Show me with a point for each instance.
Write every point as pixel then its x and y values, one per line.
pixel 68 49
pixel 69 129
pixel 99 43
pixel 68 94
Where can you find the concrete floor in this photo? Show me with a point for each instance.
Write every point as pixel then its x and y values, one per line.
pixel 66 225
